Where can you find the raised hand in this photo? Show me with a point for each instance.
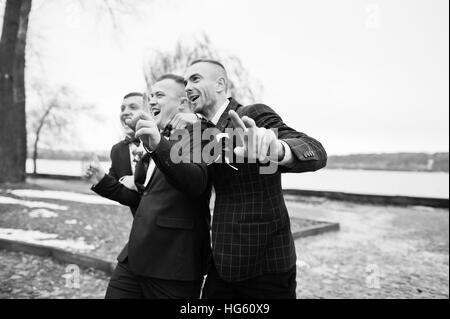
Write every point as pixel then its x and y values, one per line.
pixel 258 143
pixel 95 171
pixel 146 129
pixel 181 120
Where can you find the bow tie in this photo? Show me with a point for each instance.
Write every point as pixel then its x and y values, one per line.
pixel 134 140
pixel 167 130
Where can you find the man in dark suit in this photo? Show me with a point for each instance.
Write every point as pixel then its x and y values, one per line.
pixel 169 243
pixel 124 156
pixel 253 249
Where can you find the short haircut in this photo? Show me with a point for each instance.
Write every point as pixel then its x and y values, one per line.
pixel 217 63
pixel 174 77
pixel 178 79
pixel 133 94
pixel 209 61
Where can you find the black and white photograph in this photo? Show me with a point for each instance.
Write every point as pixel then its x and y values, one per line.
pixel 224 154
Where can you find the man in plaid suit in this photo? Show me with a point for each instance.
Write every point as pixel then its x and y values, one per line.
pixel 253 249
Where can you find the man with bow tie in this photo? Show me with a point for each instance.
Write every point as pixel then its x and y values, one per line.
pixel 124 156
pixel 169 244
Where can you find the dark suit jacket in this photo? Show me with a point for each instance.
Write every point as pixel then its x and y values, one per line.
pixel 110 187
pixel 251 226
pixel 251 232
pixel 170 237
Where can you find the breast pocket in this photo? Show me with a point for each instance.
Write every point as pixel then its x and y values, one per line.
pixel 175 222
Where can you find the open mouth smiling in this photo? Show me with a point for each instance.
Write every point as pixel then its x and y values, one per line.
pixel 193 97
pixel 155 112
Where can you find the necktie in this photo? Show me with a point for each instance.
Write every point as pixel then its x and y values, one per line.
pixel 140 172
pixel 167 130
pixel 207 123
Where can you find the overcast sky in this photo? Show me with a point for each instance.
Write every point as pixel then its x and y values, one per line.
pixel 360 76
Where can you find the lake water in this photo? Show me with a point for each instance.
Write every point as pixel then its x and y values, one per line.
pixel 422 184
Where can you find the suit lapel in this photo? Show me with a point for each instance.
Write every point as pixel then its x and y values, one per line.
pixel 222 124
pixel 224 118
pixel 154 169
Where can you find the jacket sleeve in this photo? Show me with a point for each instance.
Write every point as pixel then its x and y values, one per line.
pixel 309 154
pixel 189 176
pixel 113 154
pixel 110 188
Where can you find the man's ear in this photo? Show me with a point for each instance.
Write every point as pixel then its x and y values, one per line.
pixel 221 85
pixel 184 104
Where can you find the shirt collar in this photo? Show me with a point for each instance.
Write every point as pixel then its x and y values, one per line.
pixel 215 119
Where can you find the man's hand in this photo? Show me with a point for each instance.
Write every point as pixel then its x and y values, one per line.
pixel 146 129
pixel 181 120
pixel 128 182
pixel 137 152
pixel 95 172
pixel 258 143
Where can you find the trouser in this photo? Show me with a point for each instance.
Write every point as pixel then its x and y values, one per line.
pixel 267 286
pixel 124 284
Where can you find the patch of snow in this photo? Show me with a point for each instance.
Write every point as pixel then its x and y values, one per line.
pixel 31 204
pixel 302 264
pixel 88 227
pixel 46 239
pixel 42 213
pixel 61 195
pixel 71 222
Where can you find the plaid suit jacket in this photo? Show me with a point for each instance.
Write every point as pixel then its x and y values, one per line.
pixel 251 232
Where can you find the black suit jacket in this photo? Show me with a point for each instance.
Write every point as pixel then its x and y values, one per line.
pixel 110 187
pixel 251 232
pixel 170 236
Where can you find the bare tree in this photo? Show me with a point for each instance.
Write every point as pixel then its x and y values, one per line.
pixel 13 43
pixel 53 115
pixel 242 86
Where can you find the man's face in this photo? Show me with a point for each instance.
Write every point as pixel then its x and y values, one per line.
pixel 129 107
pixel 201 87
pixel 165 101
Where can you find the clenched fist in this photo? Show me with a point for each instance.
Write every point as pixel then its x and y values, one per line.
pixel 145 129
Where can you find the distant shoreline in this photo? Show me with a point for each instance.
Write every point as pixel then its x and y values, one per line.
pixel 401 162
pixel 378 182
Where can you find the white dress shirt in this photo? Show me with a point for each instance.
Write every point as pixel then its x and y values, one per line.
pixel 215 119
pixel 150 170
pixel 134 158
